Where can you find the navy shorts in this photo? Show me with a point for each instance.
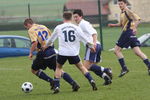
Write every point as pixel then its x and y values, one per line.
pixel 93 56
pixel 41 63
pixel 72 59
pixel 127 39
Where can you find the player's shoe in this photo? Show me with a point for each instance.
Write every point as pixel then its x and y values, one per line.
pixel 92 82
pixel 108 71
pixel 52 85
pixel 123 72
pixel 107 80
pixel 75 87
pixel 56 90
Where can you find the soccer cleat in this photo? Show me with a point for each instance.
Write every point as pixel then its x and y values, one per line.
pixel 148 71
pixel 107 80
pixel 109 72
pixel 123 72
pixel 75 87
pixel 93 85
pixel 52 85
pixel 56 90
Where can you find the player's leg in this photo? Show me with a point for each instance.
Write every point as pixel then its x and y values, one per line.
pixel 87 75
pixel 102 72
pixel 36 66
pixel 90 60
pixel 120 57
pixel 139 53
pixel 51 63
pixel 60 62
pixel 69 79
pixel 57 78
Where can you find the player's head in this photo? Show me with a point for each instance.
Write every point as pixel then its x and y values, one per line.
pixel 28 23
pixel 67 16
pixel 122 4
pixel 78 15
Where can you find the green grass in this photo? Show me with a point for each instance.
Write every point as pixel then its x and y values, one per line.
pixel 134 86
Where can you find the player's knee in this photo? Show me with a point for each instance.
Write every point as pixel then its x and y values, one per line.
pixel 115 52
pixel 34 71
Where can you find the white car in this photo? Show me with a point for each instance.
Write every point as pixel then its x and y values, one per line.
pixel 144 40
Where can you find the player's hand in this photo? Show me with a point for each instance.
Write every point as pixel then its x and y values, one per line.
pixel 93 49
pixel 110 25
pixel 95 45
pixel 30 56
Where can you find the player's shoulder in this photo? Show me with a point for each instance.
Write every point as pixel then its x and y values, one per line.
pixel 129 11
pixel 84 22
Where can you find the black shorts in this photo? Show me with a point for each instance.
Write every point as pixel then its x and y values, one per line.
pixel 127 39
pixel 72 59
pixel 41 63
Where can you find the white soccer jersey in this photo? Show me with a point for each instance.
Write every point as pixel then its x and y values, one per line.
pixel 69 37
pixel 87 29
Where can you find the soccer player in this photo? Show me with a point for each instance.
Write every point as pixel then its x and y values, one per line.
pixel 91 58
pixel 69 37
pixel 129 22
pixel 38 35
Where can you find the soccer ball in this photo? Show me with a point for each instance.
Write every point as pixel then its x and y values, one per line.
pixel 27 87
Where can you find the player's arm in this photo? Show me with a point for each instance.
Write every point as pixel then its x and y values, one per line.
pixel 94 38
pixel 84 40
pixel 32 49
pixel 115 25
pixel 33 38
pixel 135 18
pixel 51 39
pixel 90 30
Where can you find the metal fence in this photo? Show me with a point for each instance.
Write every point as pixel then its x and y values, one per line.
pixel 15 11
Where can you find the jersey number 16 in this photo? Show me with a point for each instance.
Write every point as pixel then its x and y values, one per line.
pixel 69 36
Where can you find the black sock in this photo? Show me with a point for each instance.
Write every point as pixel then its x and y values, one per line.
pixel 68 78
pixel 96 69
pixel 122 63
pixel 43 76
pixel 146 61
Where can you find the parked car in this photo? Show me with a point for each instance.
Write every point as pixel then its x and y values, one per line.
pixel 12 45
pixel 144 40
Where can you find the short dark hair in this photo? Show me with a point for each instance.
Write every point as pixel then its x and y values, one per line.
pixel 78 11
pixel 67 15
pixel 125 1
pixel 28 21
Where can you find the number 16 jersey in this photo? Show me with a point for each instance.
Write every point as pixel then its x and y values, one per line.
pixel 69 37
pixel 39 33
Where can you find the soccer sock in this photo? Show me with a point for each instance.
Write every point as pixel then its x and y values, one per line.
pixel 43 76
pixel 122 63
pixel 56 82
pixel 96 69
pixel 147 62
pixel 88 76
pixel 68 78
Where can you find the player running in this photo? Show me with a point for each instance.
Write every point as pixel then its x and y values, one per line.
pixel 69 37
pixel 92 58
pixel 129 22
pixel 47 58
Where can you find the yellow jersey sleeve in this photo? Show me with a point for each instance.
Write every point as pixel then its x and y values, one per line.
pixel 49 31
pixel 133 16
pixel 32 35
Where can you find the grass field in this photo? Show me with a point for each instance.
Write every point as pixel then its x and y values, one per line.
pixel 134 86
